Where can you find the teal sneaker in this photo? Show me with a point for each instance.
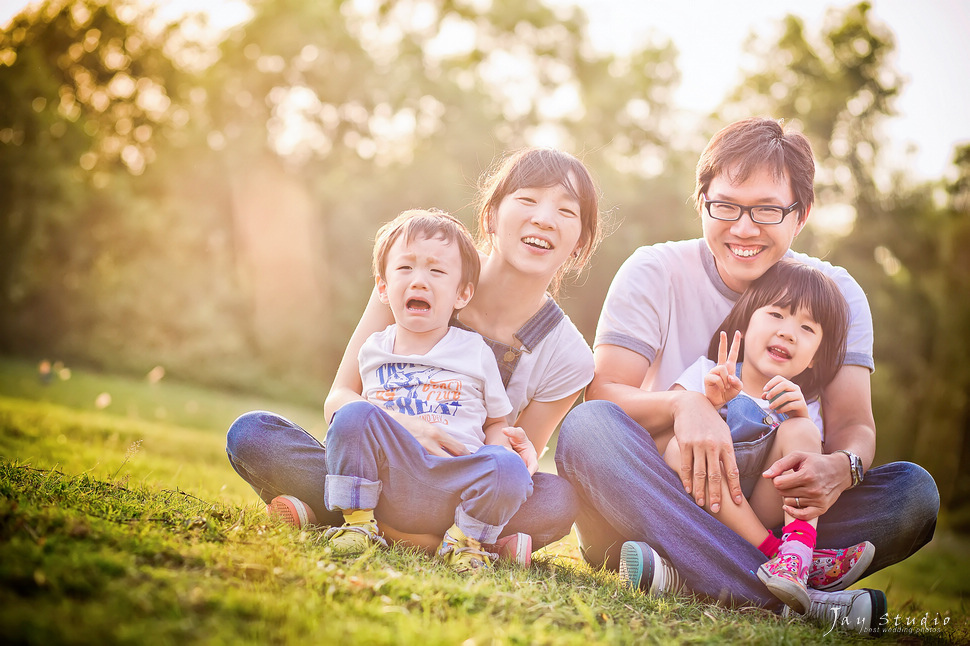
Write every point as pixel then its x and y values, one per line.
pixel 641 568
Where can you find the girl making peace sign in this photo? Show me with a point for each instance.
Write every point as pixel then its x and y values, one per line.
pixel 795 322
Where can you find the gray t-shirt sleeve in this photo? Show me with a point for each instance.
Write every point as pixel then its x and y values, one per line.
pixel 633 311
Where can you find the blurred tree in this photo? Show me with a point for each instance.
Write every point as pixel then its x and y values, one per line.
pixel 952 346
pixel 373 108
pixel 917 285
pixel 82 93
pixel 213 208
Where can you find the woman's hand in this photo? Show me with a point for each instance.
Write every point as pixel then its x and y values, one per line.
pixel 521 444
pixel 434 439
pixel 785 397
pixel 721 384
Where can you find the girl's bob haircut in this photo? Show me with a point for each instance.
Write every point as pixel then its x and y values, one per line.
pixel 794 285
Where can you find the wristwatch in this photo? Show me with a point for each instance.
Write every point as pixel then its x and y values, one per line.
pixel 855 467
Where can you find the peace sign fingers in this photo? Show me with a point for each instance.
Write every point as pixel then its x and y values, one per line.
pixel 729 359
pixel 721 383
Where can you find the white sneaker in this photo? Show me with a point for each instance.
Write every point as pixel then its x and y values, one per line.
pixel 642 568
pixel 862 611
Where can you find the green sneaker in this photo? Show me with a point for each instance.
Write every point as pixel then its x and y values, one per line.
pixel 358 533
pixel 464 554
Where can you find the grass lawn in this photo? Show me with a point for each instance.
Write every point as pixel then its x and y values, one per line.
pixel 121 521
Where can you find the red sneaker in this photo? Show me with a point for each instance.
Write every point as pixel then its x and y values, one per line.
pixel 516 548
pixel 292 511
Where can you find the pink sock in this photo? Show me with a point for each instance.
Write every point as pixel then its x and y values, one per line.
pixel 801 531
pixel 769 546
pixel 799 539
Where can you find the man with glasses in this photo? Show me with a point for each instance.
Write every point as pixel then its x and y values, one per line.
pixel 754 192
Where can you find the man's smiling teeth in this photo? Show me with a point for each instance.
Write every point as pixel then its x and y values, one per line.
pixel 537 242
pixel 745 252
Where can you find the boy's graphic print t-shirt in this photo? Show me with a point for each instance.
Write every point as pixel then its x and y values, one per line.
pixel 456 385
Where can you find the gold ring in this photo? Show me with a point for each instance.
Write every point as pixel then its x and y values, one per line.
pixel 798 502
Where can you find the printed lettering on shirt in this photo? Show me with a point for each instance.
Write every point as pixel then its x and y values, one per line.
pixel 412 389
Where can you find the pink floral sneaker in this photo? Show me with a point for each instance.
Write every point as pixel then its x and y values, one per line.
pixel 516 548
pixel 834 570
pixel 292 511
pixel 785 576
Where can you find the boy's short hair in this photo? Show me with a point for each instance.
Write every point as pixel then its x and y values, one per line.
pixel 428 224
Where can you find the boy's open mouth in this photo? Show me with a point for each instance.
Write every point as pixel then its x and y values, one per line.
pixel 418 305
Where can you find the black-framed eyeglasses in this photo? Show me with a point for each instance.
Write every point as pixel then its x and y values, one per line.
pixel 760 213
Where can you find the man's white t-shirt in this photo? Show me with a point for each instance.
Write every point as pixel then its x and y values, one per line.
pixel 667 300
pixel 455 385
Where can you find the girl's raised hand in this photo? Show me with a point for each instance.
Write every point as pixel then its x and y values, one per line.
pixel 785 397
pixel 721 384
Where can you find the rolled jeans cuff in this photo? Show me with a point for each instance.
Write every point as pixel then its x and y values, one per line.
pixel 476 529
pixel 351 492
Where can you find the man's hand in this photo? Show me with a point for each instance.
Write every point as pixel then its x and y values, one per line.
pixel 434 440
pixel 522 445
pixel 707 453
pixel 810 483
pixel 721 384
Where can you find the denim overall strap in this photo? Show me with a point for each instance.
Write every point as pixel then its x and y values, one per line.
pixel 746 419
pixel 529 335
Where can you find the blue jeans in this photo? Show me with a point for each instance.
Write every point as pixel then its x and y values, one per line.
pixel 375 463
pixel 275 457
pixel 627 492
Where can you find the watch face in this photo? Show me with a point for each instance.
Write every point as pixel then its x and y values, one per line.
pixel 857 468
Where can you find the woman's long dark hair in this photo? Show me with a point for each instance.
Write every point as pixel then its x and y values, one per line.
pixel 794 285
